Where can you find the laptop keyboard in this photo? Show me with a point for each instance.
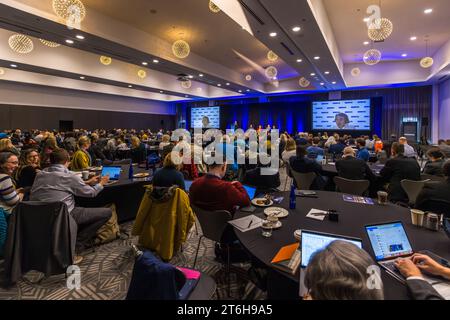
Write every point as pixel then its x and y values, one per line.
pixel 391 266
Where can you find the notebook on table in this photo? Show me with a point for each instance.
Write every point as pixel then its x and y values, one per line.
pixel 287 259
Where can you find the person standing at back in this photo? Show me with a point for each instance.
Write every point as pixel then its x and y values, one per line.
pixel 363 153
pixel 409 151
pixel 399 168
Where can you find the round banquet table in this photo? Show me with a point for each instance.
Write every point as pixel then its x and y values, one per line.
pixel 126 194
pixel 353 218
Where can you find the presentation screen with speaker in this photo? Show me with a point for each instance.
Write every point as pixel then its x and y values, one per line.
pixel 204 118
pixel 342 115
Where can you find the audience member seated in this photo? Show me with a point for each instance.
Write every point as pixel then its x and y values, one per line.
pixel 210 192
pixel 48 146
pixel 7 146
pixel 300 163
pixel 349 167
pixel 363 153
pixel 445 147
pixel 96 150
pixel 338 148
pixel 82 159
pixel 264 178
pixel 189 168
pixel 169 175
pixel 315 150
pixel 399 168
pixel 340 272
pixel 9 195
pixel 435 164
pixel 370 144
pixel 409 151
pixel 29 166
pixel 330 141
pixel 138 150
pixel 57 183
pixel 165 142
pixel 290 151
pixel 436 190
pixel 413 270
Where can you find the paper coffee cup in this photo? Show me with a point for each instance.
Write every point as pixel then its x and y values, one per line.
pixel 417 217
pixel 85 175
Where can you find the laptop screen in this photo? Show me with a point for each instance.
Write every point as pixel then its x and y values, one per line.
pixel 250 191
pixel 389 240
pixel 188 184
pixel 316 241
pixel 113 172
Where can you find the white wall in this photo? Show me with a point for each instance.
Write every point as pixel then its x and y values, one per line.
pixel 31 95
pixel 444 110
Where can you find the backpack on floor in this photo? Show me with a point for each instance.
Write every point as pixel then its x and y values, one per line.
pixel 110 231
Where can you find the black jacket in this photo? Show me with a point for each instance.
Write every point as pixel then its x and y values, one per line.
pixel 396 170
pixel 262 182
pixel 354 169
pixel 434 168
pixel 41 237
pixel 434 191
pixel 422 290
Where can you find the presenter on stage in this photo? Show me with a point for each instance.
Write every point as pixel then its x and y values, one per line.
pixel 343 122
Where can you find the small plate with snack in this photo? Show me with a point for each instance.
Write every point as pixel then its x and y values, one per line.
pixel 262 202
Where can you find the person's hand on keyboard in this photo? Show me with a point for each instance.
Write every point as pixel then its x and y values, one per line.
pixel 407 268
pixel 428 265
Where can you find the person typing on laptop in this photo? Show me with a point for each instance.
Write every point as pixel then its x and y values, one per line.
pixel 412 268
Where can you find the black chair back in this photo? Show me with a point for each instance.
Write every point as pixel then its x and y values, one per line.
pixel 436 206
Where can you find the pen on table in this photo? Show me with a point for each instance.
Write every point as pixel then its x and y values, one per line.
pixel 250 224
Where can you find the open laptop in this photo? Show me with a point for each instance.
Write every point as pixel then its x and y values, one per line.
pixel 113 172
pixel 188 184
pixel 250 191
pixel 313 241
pixel 389 242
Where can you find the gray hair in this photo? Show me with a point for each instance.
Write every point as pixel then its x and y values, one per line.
pixel 340 272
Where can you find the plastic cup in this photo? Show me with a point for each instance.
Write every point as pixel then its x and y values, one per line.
pixel 85 175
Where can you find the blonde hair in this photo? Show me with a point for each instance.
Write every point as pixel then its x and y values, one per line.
pixel 83 141
pixel 5 144
pixel 135 142
pixel 291 145
pixel 166 138
pixel 168 162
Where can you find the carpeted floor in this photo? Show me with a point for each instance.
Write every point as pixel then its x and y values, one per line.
pixel 106 273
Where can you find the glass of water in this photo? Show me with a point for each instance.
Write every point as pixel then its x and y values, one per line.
pixel 267 227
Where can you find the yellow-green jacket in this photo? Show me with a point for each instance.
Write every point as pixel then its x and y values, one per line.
pixel 80 161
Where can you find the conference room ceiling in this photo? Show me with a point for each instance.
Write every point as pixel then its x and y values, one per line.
pixel 327 47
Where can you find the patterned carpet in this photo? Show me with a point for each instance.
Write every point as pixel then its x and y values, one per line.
pixel 106 273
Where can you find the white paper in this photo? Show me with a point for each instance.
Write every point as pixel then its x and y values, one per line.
pixel 317 214
pixel 443 289
pixel 242 224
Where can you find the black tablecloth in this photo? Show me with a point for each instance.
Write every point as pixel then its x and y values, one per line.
pixel 353 218
pixel 126 194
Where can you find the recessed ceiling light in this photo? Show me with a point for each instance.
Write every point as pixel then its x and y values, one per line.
pixel 13 65
pixel 366 19
pixel 322 83
pixel 404 55
pixel 144 63
pixel 240 91
pixel 69 41
pixel 316 58
pixel 327 72
pixel 79 36
pixel 186 96
pixel 161 91
pixel 191 77
pixel 334 82
pixel 228 84
pixel 299 60
pixel 82 78
pixel 366 43
pixel 273 34
pixel 428 11
pixel 413 38
pixel 313 74
pixel 248 90
pixel 219 85
pixel 201 75
pixel 130 86
pixel 155 61
pixel 296 29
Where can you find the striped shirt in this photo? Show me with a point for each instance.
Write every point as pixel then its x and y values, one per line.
pixel 8 195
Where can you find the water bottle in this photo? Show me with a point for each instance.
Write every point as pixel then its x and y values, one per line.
pixel 292 199
pixel 130 172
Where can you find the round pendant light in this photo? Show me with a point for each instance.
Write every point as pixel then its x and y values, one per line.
pixel 372 57
pixel 271 72
pixel 356 72
pixel 142 74
pixel 105 60
pixel 50 44
pixel 248 77
pixel 20 43
pixel 181 49
pixel 69 9
pixel 380 29
pixel 213 7
pixel 304 83
pixel 272 56
pixel 426 62
pixel 186 84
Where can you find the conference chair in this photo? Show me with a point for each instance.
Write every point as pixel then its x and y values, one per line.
pixel 303 180
pixel 213 224
pixel 412 189
pixel 436 206
pixel 353 187
pixel 41 237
